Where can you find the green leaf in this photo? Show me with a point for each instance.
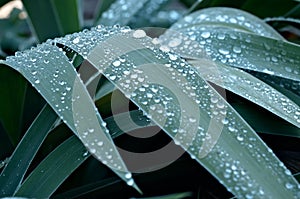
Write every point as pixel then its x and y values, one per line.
pixel 49 18
pixel 145 16
pixel 63 160
pixel 64 91
pixel 12 175
pixel 249 87
pixel 231 18
pixel 264 122
pixel 101 7
pixel 121 12
pixel 221 141
pixel 244 50
pixel 68 156
pixel 262 8
pixel 290 86
pixel 13 87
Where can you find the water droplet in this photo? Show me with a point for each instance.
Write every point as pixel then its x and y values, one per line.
pixel 164 48
pixel 188 19
pixel 268 71
pixel 205 35
pixel 76 40
pixel 274 59
pixel 225 121
pixel 91 130
pixel 239 138
pixel 117 63
pixel 93 150
pixel 128 175
pixel 223 51
pixel 221 36
pixel 130 182
pixel 192 119
pixel 288 69
pixel 173 57
pixel 112 77
pixel 231 128
pixel 100 143
pixel 289 185
pixel 174 42
pixel 139 34
pixel 155 41
pixel 237 49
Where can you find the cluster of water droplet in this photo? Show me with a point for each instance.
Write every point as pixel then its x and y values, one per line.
pixel 250 88
pixel 157 84
pixel 227 16
pixel 149 9
pixel 121 12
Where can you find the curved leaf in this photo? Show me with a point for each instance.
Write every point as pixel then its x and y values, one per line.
pixel 227 18
pixel 69 155
pixel 249 87
pixel 175 97
pixel 66 94
pixel 14 172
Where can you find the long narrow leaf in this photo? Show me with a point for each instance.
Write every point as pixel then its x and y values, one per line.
pixel 12 175
pixel 68 156
pixel 13 86
pixel 221 141
pixel 121 12
pixel 63 160
pixel 49 18
pixel 249 87
pixel 66 94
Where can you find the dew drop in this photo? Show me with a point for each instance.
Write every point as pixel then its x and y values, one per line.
pixel 231 128
pixel 225 121
pixel 205 35
pixel 139 34
pixel 223 51
pixel 155 41
pixel 288 69
pixel 117 63
pixel 93 150
pixel 173 57
pixel 85 154
pixel 221 36
pixel 188 19
pixel 239 138
pixel 174 42
pixel 91 130
pixel 130 182
pixel 268 71
pixel 100 143
pixel 112 77
pixel 192 119
pixel 274 59
pixel 237 49
pixel 76 40
pixel 128 175
pixel 288 185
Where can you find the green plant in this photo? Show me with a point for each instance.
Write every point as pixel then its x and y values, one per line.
pixel 176 82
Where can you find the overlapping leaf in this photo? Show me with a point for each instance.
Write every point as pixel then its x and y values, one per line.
pixel 174 96
pixel 50 72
